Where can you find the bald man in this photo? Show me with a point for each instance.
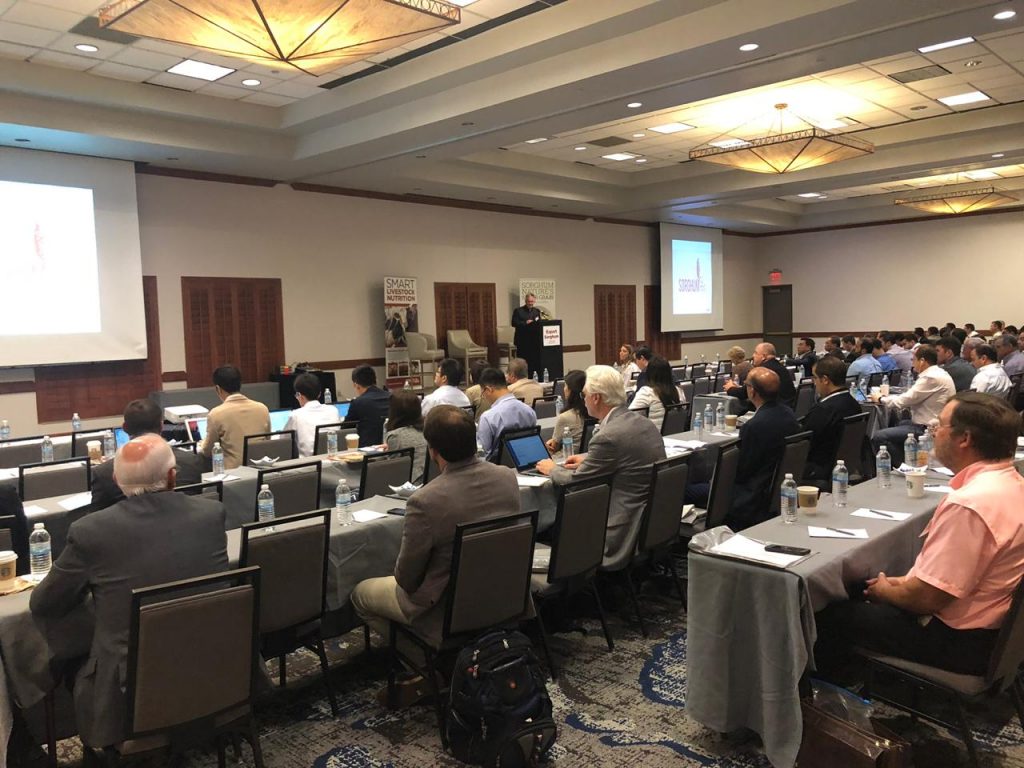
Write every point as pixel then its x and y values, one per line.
pixel 764 357
pixel 151 537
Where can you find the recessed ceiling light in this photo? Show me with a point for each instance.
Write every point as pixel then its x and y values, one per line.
pixel 972 63
pixel 580 148
pixel 947 44
pixel 641 159
pixel 919 107
pixel 535 141
pixel 639 135
pixel 981 175
pixel 810 194
pixel 748 47
pixel 620 156
pixel 730 143
pixel 200 70
pixel 999 154
pixel 86 48
pixel 252 82
pixel 1004 15
pixel 635 104
pixel 970 97
pixel 671 128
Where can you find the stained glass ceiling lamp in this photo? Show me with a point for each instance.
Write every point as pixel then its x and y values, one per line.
pixel 315 36
pixel 791 144
pixel 957 201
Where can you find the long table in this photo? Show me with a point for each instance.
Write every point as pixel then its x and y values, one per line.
pixel 750 628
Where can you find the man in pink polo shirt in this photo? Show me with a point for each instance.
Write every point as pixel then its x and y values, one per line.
pixel 947 611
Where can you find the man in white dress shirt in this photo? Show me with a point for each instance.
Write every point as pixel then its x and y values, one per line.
pixel 926 399
pixel 991 377
pixel 310 413
pixel 447 378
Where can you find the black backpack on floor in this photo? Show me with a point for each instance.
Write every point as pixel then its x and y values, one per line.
pixel 499 713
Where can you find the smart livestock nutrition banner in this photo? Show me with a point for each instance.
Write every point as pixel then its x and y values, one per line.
pixel 401 315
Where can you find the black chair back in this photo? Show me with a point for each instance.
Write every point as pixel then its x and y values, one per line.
pixel 296 488
pixel 589 425
pixel 20 450
pixel 720 496
pixel 274 445
pixel 214 489
pixel 343 428
pixel 544 407
pixel 894 377
pixel 191 445
pixel 701 386
pixel 429 470
pixel 725 366
pixel 677 419
pixel 852 443
pixel 804 399
pixel 382 470
pixel 502 456
pixel 719 383
pixel 876 379
pixel 1008 654
pixel 581 524
pixel 42 480
pixel 687 391
pixel 679 374
pixel 659 527
pixel 793 462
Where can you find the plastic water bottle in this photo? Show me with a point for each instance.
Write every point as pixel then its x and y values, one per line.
pixel 862 385
pixel 547 376
pixel 924 450
pixel 218 459
pixel 788 503
pixel 566 443
pixel 5 430
pixel 883 468
pixel 332 442
pixel 76 423
pixel 906 381
pixel 343 502
pixel 265 504
pixel 686 361
pixel 853 390
pixel 408 386
pixel 840 482
pixel 720 416
pixel 328 399
pixel 698 426
pixel 109 445
pixel 910 450
pixel 559 405
pixel 709 417
pixel 535 379
pixel 47 449
pixel 39 550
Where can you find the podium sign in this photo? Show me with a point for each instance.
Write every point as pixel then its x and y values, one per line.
pixel 540 345
pixel 552 335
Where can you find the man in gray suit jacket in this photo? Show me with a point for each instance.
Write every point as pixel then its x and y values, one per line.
pixel 152 537
pixel 466 490
pixel 625 444
pixel 141 417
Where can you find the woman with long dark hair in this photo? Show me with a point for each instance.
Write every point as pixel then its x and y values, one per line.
pixel 660 391
pixel 572 415
pixel 405 429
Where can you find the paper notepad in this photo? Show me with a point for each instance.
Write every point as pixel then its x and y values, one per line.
pixel 819 532
pixel 938 488
pixel 76 501
pixel 880 514
pixel 690 445
pixel 531 481
pixel 34 509
pixel 223 477
pixel 748 549
pixel 366 515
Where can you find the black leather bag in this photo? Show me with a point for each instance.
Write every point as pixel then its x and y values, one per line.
pixel 832 742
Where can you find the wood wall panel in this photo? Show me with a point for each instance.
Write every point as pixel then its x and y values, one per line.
pixel 96 390
pixel 665 345
pixel 614 320
pixel 469 306
pixel 232 320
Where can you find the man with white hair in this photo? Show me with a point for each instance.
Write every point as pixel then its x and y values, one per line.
pixel 625 444
pixel 151 537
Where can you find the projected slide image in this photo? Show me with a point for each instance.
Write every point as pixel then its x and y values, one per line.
pixel 48 266
pixel 692 278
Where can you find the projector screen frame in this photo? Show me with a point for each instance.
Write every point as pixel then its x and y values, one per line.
pixel 685 323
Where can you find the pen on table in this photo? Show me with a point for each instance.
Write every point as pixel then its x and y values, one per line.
pixel 840 530
pixel 883 514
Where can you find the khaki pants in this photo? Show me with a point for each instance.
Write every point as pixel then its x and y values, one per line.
pixel 376 602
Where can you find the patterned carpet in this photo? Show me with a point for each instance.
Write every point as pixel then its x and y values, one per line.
pixel 612 709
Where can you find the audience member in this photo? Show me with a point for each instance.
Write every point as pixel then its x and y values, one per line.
pixel 805 355
pixel 825 419
pixel 925 399
pixel 447 377
pixel 947 611
pixel 961 371
pixel 505 412
pixel 627 365
pixel 625 445
pixel 892 343
pixel 740 365
pixel 865 363
pixel 995 329
pixel 764 357
pixel 141 417
pixel 659 392
pixel 959 334
pixel 968 347
pixel 990 376
pixel 642 357
pixel 971 331
pixel 476 367
pixel 152 537
pixel 310 414
pixel 1009 355
pixel 833 346
pixel 523 317
pixel 370 407
pixel 236 417
pixel 883 358
pixel 520 384
pixel 848 345
pixel 572 415
pixel 405 429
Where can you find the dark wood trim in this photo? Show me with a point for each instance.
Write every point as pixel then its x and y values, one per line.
pixel 222 178
pixel 576 348
pixel 16 387
pixel 168 377
pixel 721 337
pixel 340 365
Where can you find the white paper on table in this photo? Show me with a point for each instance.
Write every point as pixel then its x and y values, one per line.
pixel 366 515
pixel 817 532
pixel 938 488
pixel 1020 442
pixel 884 514
pixel 8 474
pixel 671 442
pixel 34 509
pixel 531 481
pixel 76 501
pixel 223 477
pixel 943 471
pixel 748 549
pixel 720 434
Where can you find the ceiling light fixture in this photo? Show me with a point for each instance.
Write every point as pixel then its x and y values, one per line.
pixel 620 156
pixel 639 135
pixel 671 128
pixel 1004 15
pixel 86 48
pixel 580 148
pixel 947 44
pixel 641 159
pixel 252 82
pixel 200 70
pixel 954 201
pixel 748 47
pixel 999 154
pixel 810 194
pixel 790 144
pixel 958 100
pixel 635 104
pixel 314 37
pixel 970 64
pixel 536 141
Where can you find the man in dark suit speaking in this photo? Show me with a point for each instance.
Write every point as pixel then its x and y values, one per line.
pixel 524 317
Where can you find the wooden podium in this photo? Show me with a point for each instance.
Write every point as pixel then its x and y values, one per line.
pixel 540 345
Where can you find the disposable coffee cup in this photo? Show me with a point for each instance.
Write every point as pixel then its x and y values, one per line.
pixel 95 450
pixel 884 389
pixel 352 441
pixel 8 570
pixel 730 421
pixel 876 391
pixel 807 498
pixel 915 485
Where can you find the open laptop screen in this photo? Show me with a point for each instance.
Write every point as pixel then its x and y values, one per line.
pixel 342 410
pixel 527 451
pixel 278 420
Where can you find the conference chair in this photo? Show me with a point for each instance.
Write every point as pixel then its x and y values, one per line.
pixel 687 390
pixel 429 470
pixel 291 553
pixel 213 489
pixel 589 425
pixel 894 377
pixel 462 347
pixel 876 379
pixel 80 440
pixel 502 455
pixel 544 406
pixel 853 446
pixel 192 666
pixel 558 388
pixel 42 480
pixel 489 587
pixel 274 445
pixel 343 428
pixel 702 386
pixel 421 349
pixel 793 461
pixel 804 399
pixel 191 445
pixel 576 552
pixel 720 494
pixel 1003 675
pixel 506 342
pixel 382 470
pixel 679 374
pixel 1015 395
pixel 296 488
pixel 725 366
pixel 677 419
pixel 719 382
pixel 21 450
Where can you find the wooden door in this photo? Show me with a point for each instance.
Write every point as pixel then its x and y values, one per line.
pixel 614 320
pixel 777 317
pixel 467 306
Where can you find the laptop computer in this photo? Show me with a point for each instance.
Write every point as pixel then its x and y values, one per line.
pixel 526 452
pixel 197 428
pixel 121 437
pixel 342 410
pixel 278 420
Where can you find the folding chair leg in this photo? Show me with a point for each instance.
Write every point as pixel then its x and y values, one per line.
pixel 222 758
pixel 547 650
pixel 965 730
pixel 636 602
pixel 282 671
pixel 326 669
pixel 439 708
pixel 366 637
pixel 600 613
pixel 49 707
pixel 236 745
pixel 254 742
pixel 675 578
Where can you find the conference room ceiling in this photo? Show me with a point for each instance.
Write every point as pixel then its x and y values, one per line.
pixel 459 114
